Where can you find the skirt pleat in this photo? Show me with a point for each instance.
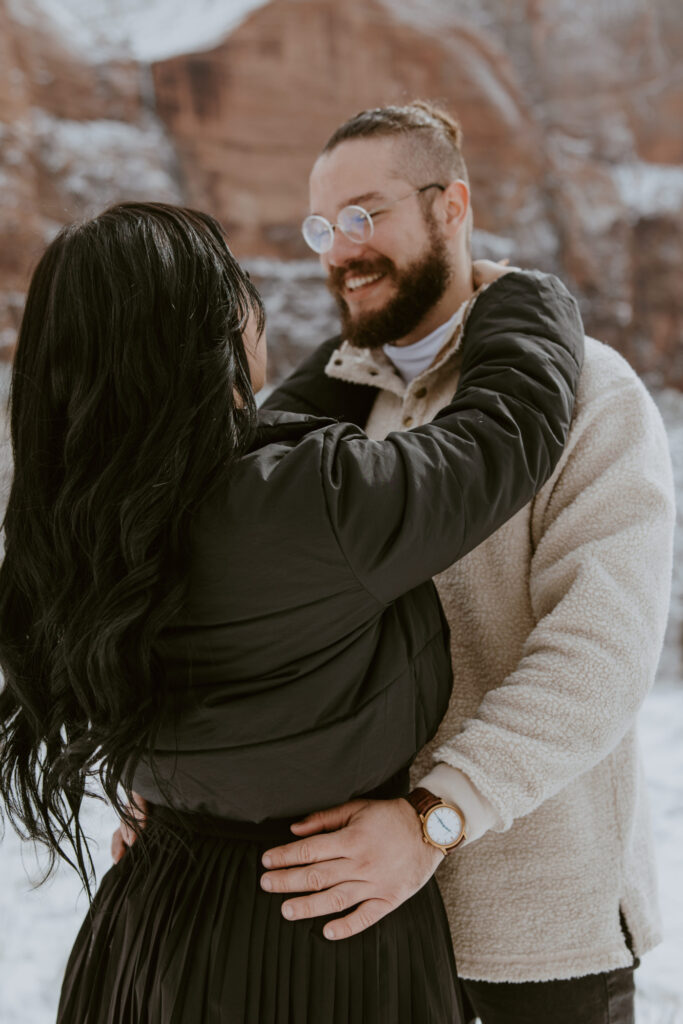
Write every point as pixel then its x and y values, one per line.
pixel 180 932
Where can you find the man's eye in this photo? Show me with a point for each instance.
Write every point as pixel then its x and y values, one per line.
pixel 356 220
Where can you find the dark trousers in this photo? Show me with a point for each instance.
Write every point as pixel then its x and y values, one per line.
pixel 606 998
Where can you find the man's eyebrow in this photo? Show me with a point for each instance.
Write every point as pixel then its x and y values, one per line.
pixel 357 200
pixel 364 198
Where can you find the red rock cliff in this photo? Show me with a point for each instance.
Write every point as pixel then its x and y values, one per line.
pixel 569 120
pixel 571 116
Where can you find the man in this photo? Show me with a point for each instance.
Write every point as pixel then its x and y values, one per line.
pixel 557 620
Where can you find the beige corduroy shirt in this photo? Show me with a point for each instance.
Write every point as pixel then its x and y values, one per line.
pixel 556 625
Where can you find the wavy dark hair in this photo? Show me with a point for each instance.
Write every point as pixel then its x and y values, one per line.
pixel 130 400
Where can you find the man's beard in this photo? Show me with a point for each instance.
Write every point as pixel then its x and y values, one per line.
pixel 419 286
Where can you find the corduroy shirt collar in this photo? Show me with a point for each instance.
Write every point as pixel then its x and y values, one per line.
pixel 373 366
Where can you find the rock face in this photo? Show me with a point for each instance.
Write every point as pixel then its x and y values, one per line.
pixel 569 113
pixel 74 138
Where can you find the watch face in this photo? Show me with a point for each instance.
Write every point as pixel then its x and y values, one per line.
pixel 444 825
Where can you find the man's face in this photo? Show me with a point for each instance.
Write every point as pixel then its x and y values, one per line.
pixel 386 286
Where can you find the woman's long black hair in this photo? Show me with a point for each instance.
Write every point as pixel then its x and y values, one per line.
pixel 130 400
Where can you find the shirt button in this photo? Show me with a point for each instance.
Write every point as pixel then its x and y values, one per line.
pixel 421 392
pixel 407 421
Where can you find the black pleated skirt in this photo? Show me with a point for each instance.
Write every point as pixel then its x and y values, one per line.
pixel 186 935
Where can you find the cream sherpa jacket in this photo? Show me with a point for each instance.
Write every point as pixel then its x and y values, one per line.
pixel 556 624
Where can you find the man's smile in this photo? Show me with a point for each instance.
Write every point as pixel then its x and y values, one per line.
pixel 359 279
pixel 356 282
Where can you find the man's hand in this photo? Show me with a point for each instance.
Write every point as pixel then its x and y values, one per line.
pixel 124 835
pixel 372 854
pixel 486 271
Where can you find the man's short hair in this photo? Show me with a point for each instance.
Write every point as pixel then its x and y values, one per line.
pixel 433 139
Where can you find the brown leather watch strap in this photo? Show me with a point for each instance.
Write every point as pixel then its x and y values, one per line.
pixel 422 800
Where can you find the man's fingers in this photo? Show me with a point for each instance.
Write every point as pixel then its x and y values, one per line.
pixel 364 916
pixel 486 271
pixel 313 878
pixel 332 901
pixel 139 807
pixel 118 847
pixel 127 834
pixel 138 811
pixel 304 851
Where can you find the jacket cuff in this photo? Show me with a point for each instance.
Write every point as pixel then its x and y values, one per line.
pixel 454 787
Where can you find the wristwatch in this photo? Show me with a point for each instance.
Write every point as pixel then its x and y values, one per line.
pixel 443 825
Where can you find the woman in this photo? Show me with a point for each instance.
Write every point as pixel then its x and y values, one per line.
pixel 215 608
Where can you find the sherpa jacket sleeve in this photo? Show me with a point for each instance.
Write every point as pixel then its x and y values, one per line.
pixel 406 507
pixel 599 588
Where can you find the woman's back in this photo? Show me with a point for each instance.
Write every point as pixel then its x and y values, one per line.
pixel 283 660
pixel 311 652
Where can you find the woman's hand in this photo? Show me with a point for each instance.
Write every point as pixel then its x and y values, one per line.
pixel 125 836
pixel 486 271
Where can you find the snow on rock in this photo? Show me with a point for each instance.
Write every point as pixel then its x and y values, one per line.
pixel 649 190
pixel 300 312
pixel 488 246
pixel 98 162
pixel 100 30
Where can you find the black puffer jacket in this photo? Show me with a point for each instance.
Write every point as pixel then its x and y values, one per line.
pixel 313 636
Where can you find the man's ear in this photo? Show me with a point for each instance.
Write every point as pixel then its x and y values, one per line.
pixel 456 204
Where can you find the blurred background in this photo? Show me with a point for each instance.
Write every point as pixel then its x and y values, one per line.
pixel 573 122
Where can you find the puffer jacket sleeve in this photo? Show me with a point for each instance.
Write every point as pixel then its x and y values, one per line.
pixel 407 507
pixel 308 390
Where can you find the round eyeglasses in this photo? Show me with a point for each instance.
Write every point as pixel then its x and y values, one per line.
pixel 355 222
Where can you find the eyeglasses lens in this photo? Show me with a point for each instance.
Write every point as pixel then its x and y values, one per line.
pixel 356 223
pixel 317 233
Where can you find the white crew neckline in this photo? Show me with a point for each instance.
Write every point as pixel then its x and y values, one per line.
pixel 412 360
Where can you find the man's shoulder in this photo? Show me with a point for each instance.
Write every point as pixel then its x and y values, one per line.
pixel 603 362
pixel 615 421
pixel 607 380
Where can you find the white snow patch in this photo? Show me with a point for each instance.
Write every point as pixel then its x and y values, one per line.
pixel 100 162
pixel 649 190
pixel 432 16
pixel 146 30
pixel 487 246
pixel 284 270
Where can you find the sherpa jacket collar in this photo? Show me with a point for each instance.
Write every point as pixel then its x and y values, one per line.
pixel 373 366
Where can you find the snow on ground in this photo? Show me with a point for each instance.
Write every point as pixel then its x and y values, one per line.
pixel 660 980
pixel 100 30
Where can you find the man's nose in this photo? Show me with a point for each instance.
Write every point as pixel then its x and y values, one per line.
pixel 343 250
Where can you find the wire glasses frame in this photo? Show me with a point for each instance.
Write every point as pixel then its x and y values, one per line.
pixel 354 222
